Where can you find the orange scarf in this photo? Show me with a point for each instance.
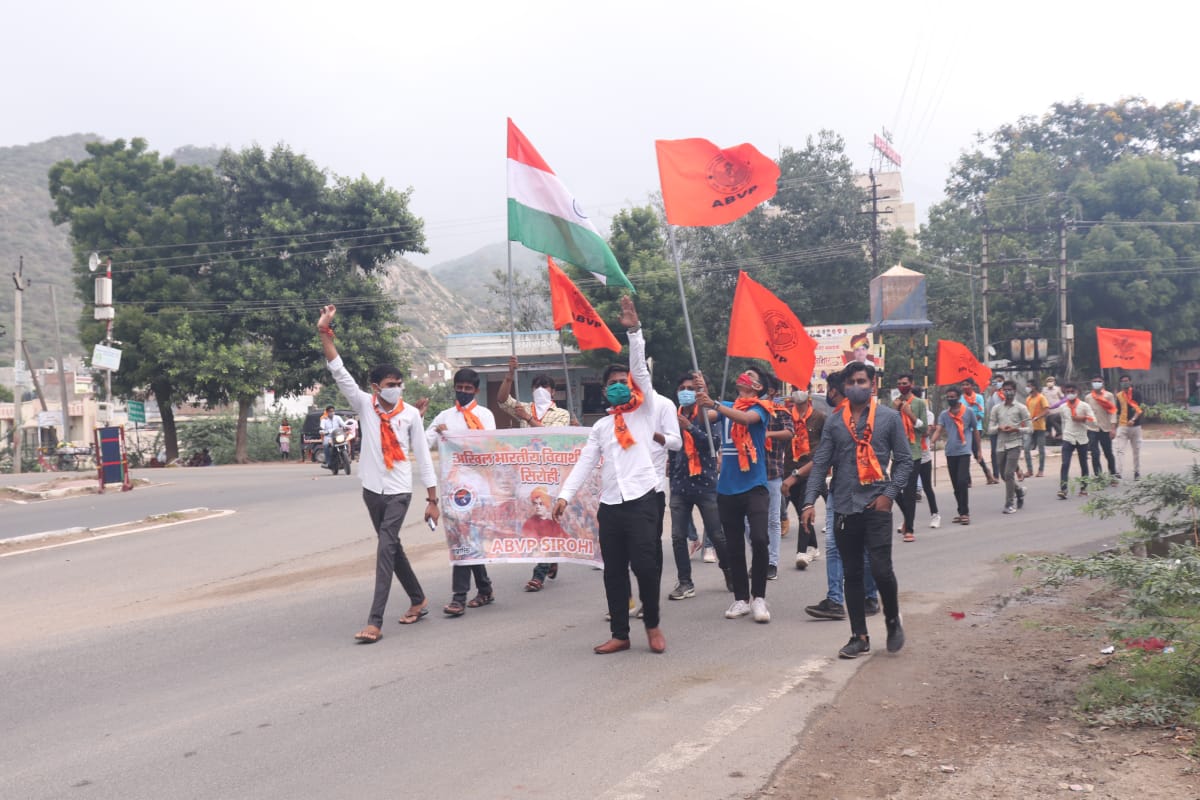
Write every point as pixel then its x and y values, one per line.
pixel 624 437
pixel 468 413
pixel 958 421
pixel 392 452
pixel 1071 405
pixel 1109 408
pixel 1128 396
pixel 909 430
pixel 800 444
pixel 689 448
pixel 869 470
pixel 969 396
pixel 743 443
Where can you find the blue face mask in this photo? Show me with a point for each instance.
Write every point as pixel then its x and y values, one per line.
pixel 464 398
pixel 617 394
pixel 687 397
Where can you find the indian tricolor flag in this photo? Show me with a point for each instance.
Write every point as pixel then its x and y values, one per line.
pixel 544 216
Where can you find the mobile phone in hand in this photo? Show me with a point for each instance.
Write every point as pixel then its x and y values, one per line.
pixel 431 523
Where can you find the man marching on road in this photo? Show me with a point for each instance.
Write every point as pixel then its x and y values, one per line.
pixel 973 400
pixel 860 440
pixel 629 512
pixel 1037 406
pixel 807 424
pixel 465 415
pixel 1104 426
pixel 1010 421
pixel 1076 415
pixel 386 472
pixel 742 494
pixel 912 415
pixel 1129 425
pixel 958 423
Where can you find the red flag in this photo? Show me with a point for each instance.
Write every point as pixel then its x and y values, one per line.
pixel 762 326
pixel 1123 348
pixel 705 185
pixel 955 364
pixel 572 308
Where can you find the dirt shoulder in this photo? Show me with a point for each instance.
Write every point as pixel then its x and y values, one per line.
pixel 981 707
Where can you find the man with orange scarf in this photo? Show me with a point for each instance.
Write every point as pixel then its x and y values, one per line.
pixel 1104 426
pixel 628 516
pixel 858 442
pixel 1076 416
pixel 742 494
pixel 392 440
pixel 1129 425
pixel 807 424
pixel 465 415
pixel 957 421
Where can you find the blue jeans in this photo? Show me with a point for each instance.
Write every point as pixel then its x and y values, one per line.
pixel 774 520
pixel 833 564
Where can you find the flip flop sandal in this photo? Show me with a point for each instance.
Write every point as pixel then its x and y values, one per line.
pixel 480 599
pixel 553 573
pixel 411 618
pixel 454 609
pixel 965 521
pixel 909 537
pixel 956 520
pixel 367 636
pixel 533 585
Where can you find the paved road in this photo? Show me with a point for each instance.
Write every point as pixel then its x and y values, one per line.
pixel 214 659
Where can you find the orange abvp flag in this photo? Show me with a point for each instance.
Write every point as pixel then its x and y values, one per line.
pixel 955 363
pixel 762 326
pixel 1122 348
pixel 705 185
pixel 572 308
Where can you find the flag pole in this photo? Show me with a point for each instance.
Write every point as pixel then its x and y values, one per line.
pixel 687 324
pixel 725 376
pixel 567 375
pixel 512 323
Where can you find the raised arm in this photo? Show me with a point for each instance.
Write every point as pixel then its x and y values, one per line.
pixel 506 385
pixel 325 331
pixel 639 372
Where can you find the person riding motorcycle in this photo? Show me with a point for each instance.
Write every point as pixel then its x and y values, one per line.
pixel 331 423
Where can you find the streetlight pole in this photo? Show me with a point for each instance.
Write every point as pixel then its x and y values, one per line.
pixel 18 364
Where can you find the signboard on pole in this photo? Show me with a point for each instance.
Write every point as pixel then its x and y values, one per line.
pixel 105 357
pixel 136 410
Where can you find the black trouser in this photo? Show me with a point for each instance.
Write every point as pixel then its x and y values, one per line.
pixel 629 540
pixel 908 498
pixel 736 510
pixel 460 580
pixel 1068 450
pixel 992 438
pixel 959 468
pixel 682 506
pixel 870 532
pixel 808 536
pixel 926 472
pixel 977 451
pixel 387 513
pixel 1097 441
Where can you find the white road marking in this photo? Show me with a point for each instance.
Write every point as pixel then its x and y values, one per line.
pixel 650 779
pixel 212 514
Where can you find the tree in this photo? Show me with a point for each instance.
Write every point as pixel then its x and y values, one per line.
pixel 148 214
pixel 530 300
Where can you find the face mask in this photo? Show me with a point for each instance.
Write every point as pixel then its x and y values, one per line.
pixel 951 402
pixel 1009 394
pixel 1070 395
pixel 1097 385
pixel 464 398
pixel 391 394
pixel 541 397
pixel 799 396
pixel 905 389
pixel 1125 386
pixel 858 394
pixel 687 397
pixel 617 394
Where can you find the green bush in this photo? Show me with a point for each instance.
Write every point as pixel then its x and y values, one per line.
pixel 219 434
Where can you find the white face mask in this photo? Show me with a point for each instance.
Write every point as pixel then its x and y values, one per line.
pixel 542 399
pixel 391 394
pixel 1097 385
pixel 1070 395
pixel 799 396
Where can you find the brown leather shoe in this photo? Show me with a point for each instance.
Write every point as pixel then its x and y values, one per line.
pixel 612 646
pixel 658 642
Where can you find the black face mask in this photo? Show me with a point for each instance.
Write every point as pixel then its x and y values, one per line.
pixel 464 398
pixel 951 403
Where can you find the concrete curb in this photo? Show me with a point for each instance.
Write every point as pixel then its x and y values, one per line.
pixel 151 523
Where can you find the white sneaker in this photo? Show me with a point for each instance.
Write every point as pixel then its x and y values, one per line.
pixel 759 606
pixel 935 521
pixel 710 555
pixel 740 608
pixel 803 560
pixel 638 612
pixel 813 554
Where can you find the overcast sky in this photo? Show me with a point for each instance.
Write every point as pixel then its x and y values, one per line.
pixel 416 93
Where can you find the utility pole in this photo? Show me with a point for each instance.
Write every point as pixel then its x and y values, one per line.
pixel 1068 339
pixel 18 364
pixel 983 271
pixel 62 380
pixel 875 212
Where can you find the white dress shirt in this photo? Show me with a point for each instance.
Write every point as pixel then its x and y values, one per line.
pixel 1075 432
pixel 375 476
pixel 455 422
pixel 625 474
pixel 666 421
